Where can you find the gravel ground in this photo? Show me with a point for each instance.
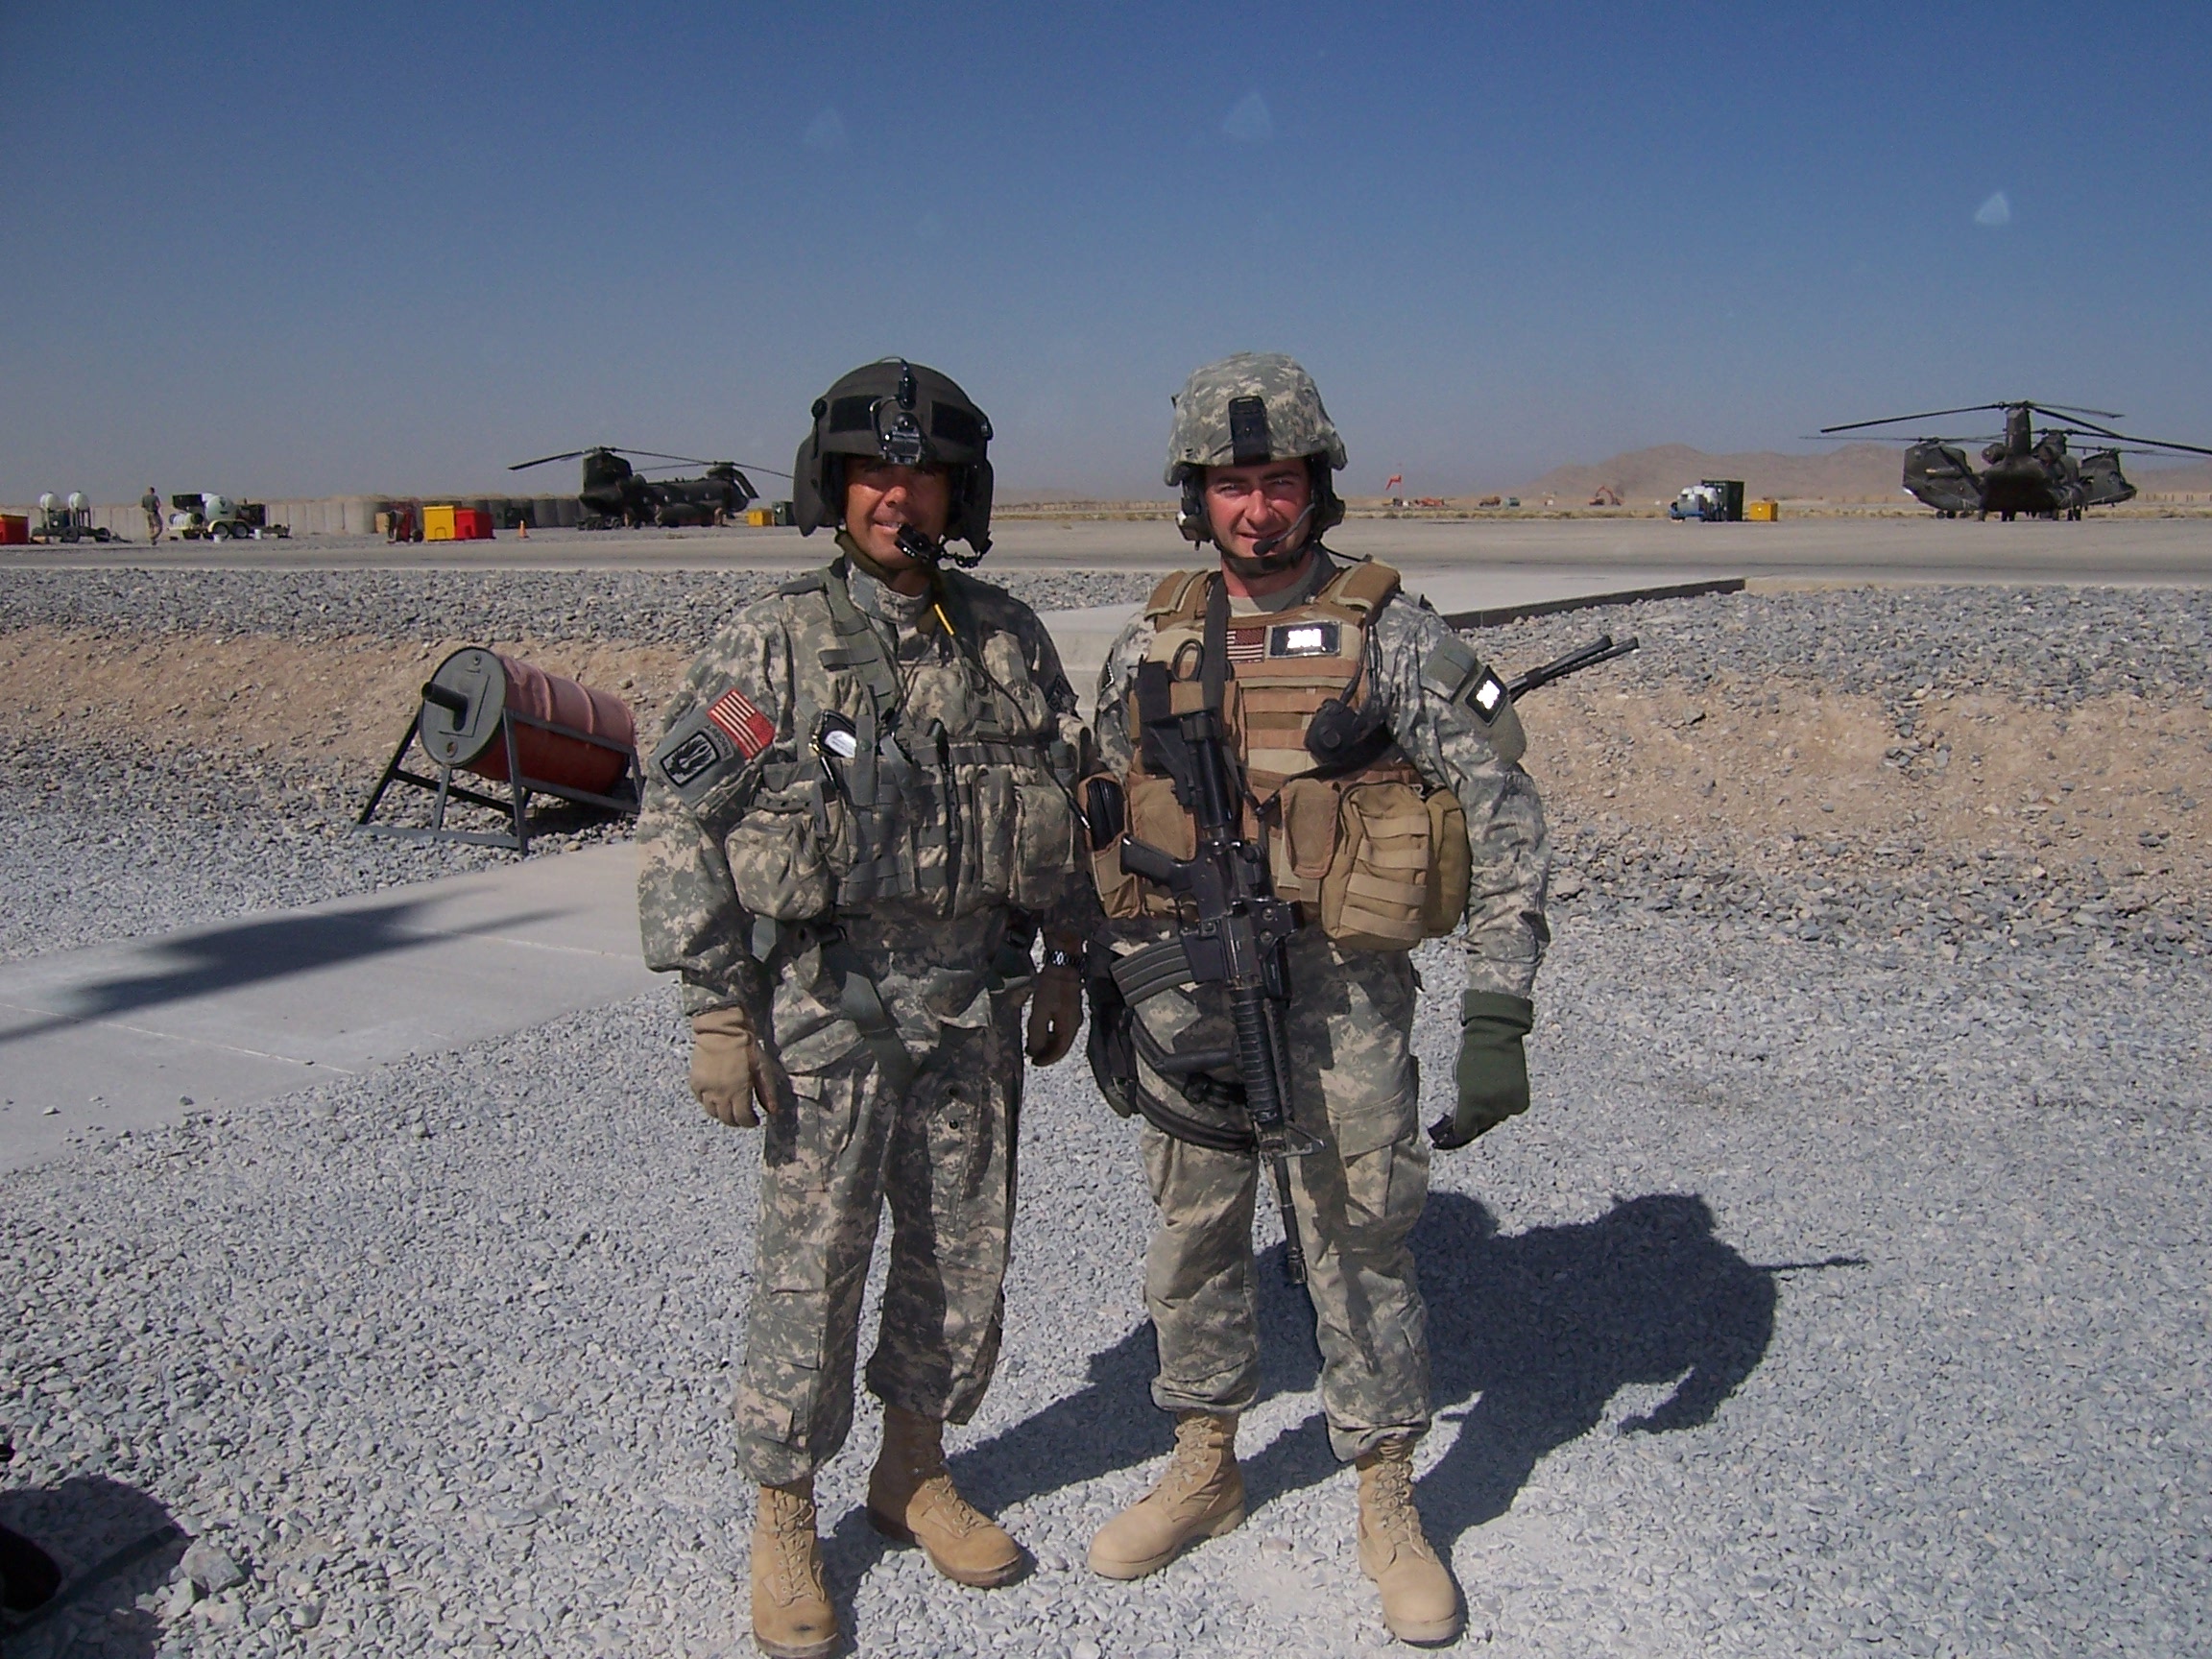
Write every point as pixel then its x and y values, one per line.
pixel 1817 1305
pixel 440 604
pixel 1847 1288
pixel 2046 645
pixel 104 842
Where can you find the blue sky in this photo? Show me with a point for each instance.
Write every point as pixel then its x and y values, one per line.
pixel 284 249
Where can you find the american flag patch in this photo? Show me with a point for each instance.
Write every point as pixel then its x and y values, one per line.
pixel 749 729
pixel 1247 644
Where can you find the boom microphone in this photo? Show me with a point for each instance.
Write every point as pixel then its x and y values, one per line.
pixel 1268 545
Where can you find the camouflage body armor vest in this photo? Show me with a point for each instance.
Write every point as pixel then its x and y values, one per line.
pixel 869 808
pixel 1354 835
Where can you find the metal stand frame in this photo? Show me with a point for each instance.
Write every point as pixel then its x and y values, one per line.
pixel 520 788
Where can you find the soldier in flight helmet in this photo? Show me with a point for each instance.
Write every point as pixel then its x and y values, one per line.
pixel 857 822
pixel 899 413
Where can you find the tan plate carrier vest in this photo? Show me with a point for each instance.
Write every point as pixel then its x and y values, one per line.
pixel 1376 856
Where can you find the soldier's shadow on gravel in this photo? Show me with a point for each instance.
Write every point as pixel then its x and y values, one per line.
pixel 1530 1336
pixel 114 1544
pixel 252 953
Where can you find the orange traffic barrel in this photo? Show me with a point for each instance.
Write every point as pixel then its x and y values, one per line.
pixel 554 720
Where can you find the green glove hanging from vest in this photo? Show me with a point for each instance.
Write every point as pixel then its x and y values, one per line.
pixel 1493 1072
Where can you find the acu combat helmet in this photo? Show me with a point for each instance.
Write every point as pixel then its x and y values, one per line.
pixel 1244 411
pixel 910 416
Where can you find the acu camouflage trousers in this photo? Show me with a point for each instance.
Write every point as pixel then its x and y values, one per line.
pixel 1355 1084
pixel 941 1154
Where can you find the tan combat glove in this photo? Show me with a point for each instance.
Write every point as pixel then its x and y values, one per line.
pixel 1056 1006
pixel 730 1069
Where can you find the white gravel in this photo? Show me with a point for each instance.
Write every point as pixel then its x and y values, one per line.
pixel 443 604
pixel 1816 1304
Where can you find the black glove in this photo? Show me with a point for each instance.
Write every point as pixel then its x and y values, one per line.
pixel 1493 1072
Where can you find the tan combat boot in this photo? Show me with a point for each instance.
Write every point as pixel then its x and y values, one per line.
pixel 912 1498
pixel 1200 1495
pixel 792 1618
pixel 1420 1602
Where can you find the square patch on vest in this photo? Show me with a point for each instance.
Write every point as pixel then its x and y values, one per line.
pixel 1247 644
pixel 1302 639
pixel 749 729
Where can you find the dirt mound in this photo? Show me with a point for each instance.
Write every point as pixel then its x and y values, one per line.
pixel 2107 786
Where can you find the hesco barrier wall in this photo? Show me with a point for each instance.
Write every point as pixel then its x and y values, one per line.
pixel 350 514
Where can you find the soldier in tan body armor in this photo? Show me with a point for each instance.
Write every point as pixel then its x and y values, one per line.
pixel 857 814
pixel 1379 765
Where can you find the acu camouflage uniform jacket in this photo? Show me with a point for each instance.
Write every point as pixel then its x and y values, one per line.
pixel 753 822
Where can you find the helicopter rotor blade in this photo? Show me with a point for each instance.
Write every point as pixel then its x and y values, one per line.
pixel 2079 414
pixel 526 466
pixel 2090 429
pixel 1924 414
pixel 741 466
pixel 660 455
pixel 1892 438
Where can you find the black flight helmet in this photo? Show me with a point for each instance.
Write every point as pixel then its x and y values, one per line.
pixel 912 416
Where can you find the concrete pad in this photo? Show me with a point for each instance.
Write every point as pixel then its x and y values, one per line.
pixel 122 1036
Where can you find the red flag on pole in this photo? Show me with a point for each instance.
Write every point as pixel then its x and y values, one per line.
pixel 1395 479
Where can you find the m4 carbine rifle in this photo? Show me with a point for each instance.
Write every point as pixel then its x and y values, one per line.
pixel 1234 933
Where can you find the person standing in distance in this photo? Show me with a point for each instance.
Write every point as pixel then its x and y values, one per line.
pixel 1378 759
pixel 150 504
pixel 858 814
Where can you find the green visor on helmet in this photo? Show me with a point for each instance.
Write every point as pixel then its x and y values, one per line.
pixel 909 416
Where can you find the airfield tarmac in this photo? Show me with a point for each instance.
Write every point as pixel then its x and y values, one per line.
pixel 1628 552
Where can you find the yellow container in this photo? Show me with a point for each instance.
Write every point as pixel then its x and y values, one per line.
pixel 760 518
pixel 438 523
pixel 1761 511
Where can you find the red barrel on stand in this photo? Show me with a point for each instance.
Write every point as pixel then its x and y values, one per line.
pixel 459 723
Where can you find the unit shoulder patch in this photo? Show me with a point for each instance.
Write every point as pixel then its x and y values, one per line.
pixel 1455 673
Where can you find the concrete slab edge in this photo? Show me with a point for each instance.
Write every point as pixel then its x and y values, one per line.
pixel 1502 614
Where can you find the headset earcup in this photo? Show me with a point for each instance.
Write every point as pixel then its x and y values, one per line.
pixel 808 509
pixel 1191 512
pixel 972 518
pixel 1328 505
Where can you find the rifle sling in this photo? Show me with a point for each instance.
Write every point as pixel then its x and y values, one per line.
pixel 1213 651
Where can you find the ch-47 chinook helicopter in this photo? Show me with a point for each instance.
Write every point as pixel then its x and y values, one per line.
pixel 617 495
pixel 2023 472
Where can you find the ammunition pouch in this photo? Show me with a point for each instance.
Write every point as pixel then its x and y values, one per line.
pixel 1381 864
pixel 1400 869
pixel 955 827
pixel 778 851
